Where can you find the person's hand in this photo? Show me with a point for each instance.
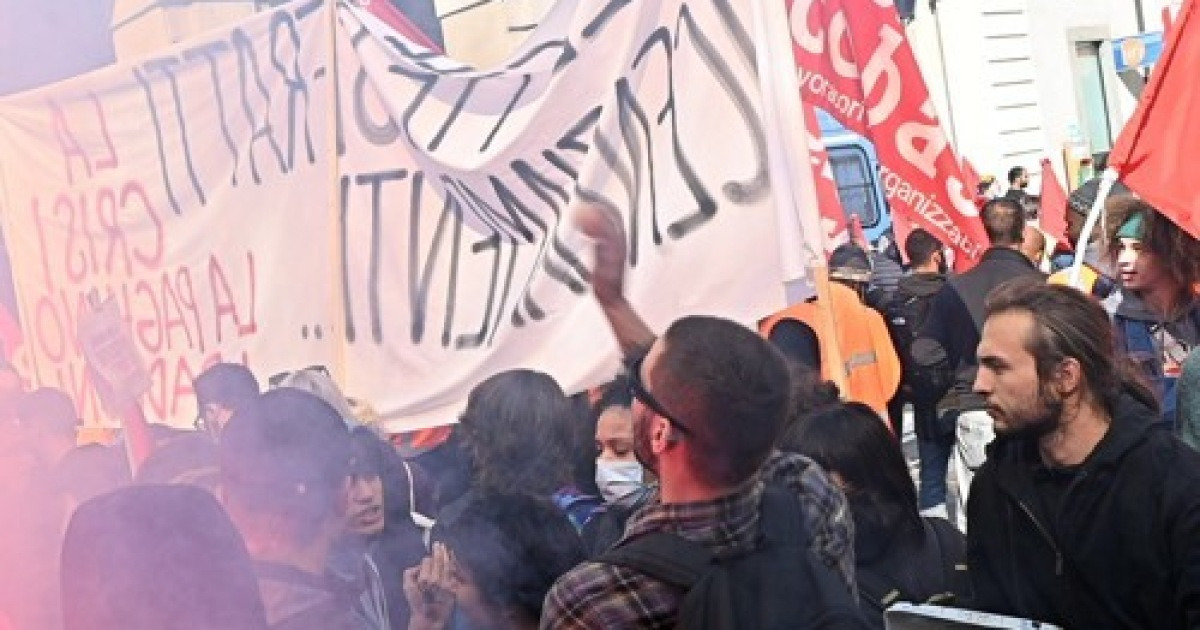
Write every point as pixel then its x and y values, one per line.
pixel 428 587
pixel 603 225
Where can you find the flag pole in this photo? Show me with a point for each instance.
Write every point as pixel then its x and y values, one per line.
pixel 335 197
pixel 1106 183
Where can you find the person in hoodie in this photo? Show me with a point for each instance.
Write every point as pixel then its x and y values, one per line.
pixel 380 540
pixel 905 315
pixel 1085 515
pixel 1155 311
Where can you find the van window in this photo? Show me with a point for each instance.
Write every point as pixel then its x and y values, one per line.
pixel 855 183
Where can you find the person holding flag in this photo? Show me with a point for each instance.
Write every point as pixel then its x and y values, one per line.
pixel 1155 311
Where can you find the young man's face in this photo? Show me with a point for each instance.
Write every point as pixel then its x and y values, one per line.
pixel 364 513
pixel 1138 269
pixel 1017 400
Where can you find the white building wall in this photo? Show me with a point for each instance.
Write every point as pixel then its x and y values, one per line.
pixel 1002 75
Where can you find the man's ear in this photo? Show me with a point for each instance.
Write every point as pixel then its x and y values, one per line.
pixel 662 435
pixel 1068 376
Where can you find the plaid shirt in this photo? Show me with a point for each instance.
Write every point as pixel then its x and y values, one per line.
pixel 829 520
pixel 599 595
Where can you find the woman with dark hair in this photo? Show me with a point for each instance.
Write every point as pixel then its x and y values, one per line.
pixel 620 479
pixel 381 539
pixel 495 558
pixel 518 430
pixel 899 556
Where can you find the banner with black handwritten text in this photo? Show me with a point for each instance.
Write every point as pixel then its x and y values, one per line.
pixel 193 187
pixel 652 109
pixel 414 235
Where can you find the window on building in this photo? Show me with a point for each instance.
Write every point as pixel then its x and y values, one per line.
pixel 1090 90
pixel 855 183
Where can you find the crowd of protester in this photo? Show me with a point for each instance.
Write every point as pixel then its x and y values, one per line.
pixel 721 480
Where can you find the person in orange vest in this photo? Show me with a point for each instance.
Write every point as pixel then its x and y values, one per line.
pixel 868 359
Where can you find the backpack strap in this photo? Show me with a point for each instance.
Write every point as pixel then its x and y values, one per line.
pixel 878 589
pixel 952 574
pixel 663 556
pixel 1138 344
pixel 781 518
pixel 875 590
pixel 680 562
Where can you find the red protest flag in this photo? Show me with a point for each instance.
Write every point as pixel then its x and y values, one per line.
pixel 1153 155
pixel 970 175
pixel 854 60
pixel 829 204
pixel 1053 218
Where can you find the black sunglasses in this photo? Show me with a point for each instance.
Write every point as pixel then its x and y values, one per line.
pixel 637 389
pixel 278 378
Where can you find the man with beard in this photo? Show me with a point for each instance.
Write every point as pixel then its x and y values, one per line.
pixel 1018 181
pixel 709 401
pixel 1085 515
pixel 950 333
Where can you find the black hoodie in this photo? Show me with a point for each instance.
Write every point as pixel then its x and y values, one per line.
pixel 1118 548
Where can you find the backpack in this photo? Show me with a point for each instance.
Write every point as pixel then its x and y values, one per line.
pixel 878 590
pixel 778 584
pixel 905 316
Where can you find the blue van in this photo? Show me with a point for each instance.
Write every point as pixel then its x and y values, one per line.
pixel 856 170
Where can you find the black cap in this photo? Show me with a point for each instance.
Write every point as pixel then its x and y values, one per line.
pixel 850 262
pixel 226 384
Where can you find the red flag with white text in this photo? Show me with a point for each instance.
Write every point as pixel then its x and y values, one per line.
pixel 854 61
pixel 1155 153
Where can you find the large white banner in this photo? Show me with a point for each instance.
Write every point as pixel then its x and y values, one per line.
pixel 194 187
pixel 416 238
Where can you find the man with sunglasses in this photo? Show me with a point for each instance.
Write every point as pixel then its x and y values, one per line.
pixel 709 399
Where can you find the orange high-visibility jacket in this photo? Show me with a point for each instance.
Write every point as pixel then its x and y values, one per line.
pixel 871 366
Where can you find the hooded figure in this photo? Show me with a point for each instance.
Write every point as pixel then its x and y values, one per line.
pixel 157 557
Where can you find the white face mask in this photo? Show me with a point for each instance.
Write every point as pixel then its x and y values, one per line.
pixel 618 479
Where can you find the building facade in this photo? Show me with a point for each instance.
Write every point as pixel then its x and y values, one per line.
pixel 1019 80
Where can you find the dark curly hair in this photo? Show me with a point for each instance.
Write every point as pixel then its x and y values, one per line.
pixel 1177 249
pixel 810 393
pixel 513 547
pixel 518 428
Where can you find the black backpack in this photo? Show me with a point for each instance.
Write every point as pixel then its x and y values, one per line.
pixel 905 315
pixel 944 553
pixel 779 584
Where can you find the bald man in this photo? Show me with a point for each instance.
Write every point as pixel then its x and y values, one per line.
pixel 1033 245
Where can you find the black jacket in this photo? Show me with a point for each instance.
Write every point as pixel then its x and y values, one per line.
pixel 920 284
pixel 1122 550
pixel 951 330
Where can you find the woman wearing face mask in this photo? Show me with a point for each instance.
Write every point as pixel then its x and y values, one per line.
pixel 623 482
